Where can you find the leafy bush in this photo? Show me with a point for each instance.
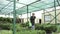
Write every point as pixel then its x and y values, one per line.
pixel 23 32
pixel 1 18
pixel 6 19
pixel 5 26
pixel 46 27
pixel 32 32
pixel 52 28
pixel 39 27
pixel 9 20
pixel 25 24
pixel 41 32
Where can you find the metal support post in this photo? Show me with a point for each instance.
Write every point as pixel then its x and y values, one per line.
pixel 27 12
pixel 14 19
pixel 55 11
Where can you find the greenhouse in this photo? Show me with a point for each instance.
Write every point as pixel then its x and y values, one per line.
pixel 15 16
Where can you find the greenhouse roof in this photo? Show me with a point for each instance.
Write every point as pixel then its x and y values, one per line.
pixel 6 6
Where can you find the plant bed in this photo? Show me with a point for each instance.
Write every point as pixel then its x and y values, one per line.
pixel 49 28
pixel 5 26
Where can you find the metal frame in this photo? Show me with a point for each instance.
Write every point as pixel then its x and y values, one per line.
pixel 14 13
pixel 55 11
pixel 58 2
pixel 5 6
pixel 44 15
pixel 54 17
pixel 27 12
pixel 29 4
pixel 14 20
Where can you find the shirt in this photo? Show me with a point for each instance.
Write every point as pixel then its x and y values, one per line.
pixel 32 19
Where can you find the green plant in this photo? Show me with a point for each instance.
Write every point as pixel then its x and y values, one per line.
pixel 5 26
pixel 46 27
pixel 52 28
pixel 40 32
pixel 1 18
pixel 25 24
pixel 38 27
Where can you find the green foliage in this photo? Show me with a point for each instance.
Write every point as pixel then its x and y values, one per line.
pixel 23 32
pixel 39 27
pixel 1 19
pixel 50 28
pixel 9 20
pixel 25 24
pixel 46 27
pixel 40 32
pixel 32 32
pixel 5 26
pixel 5 32
pixel 4 20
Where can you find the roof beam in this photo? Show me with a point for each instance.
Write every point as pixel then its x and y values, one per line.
pixel 37 10
pixel 33 6
pixel 38 7
pixel 34 2
pixel 42 5
pixel 58 2
pixel 28 4
pixel 5 6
